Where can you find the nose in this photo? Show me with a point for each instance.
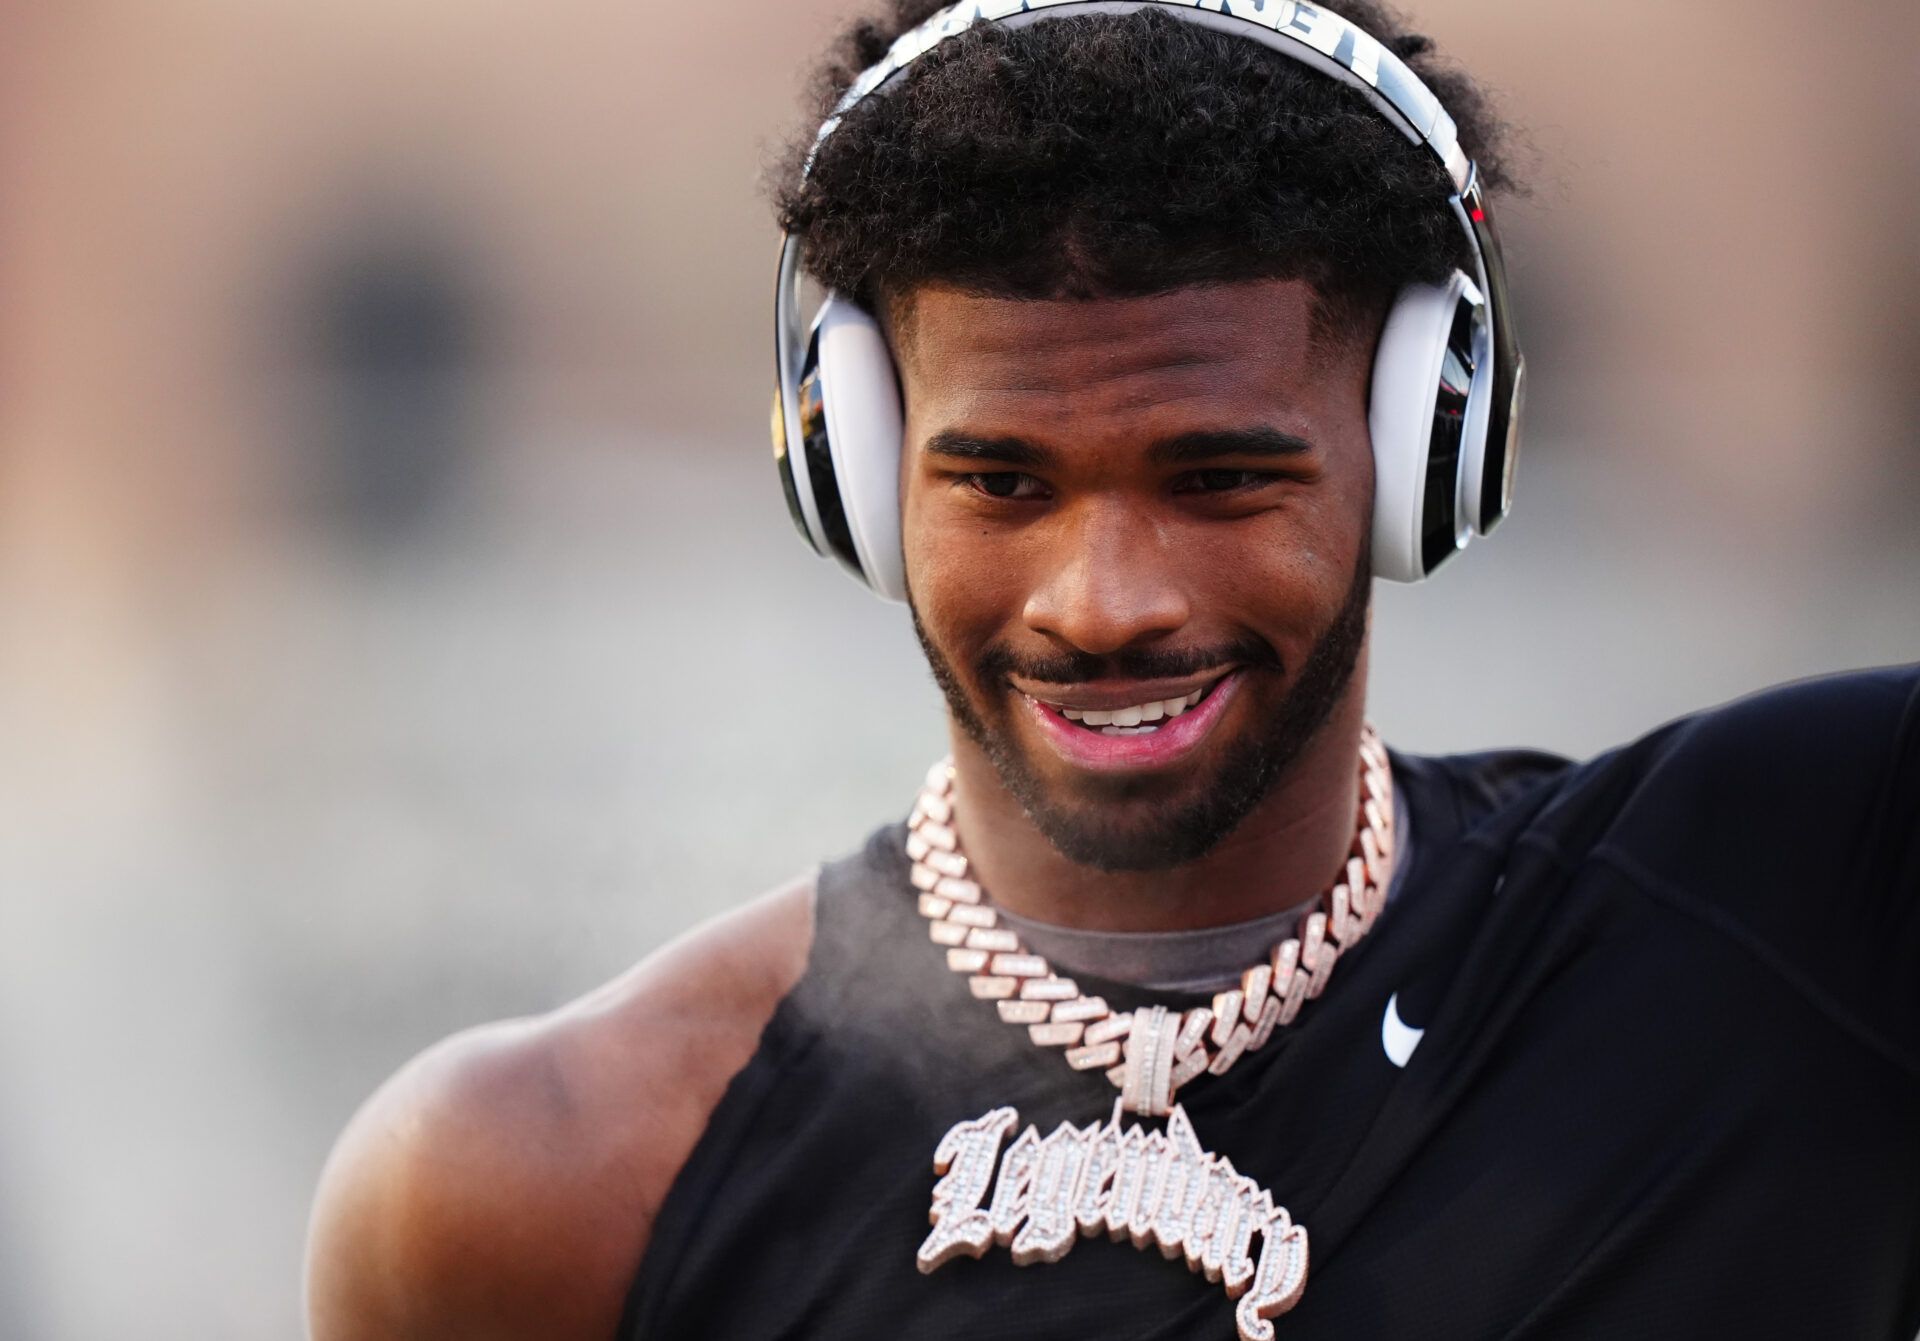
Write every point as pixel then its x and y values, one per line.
pixel 1111 581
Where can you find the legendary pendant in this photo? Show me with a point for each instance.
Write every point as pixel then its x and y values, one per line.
pixel 1159 1189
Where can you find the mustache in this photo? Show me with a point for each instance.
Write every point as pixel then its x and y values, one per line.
pixel 1129 663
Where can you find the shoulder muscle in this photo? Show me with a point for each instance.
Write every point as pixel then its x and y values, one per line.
pixel 503 1183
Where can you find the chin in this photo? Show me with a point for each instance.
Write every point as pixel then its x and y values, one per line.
pixel 1129 837
pixel 1146 821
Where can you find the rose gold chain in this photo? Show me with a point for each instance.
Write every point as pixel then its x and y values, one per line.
pixel 1151 1053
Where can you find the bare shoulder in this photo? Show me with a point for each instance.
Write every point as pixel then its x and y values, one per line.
pixel 504 1182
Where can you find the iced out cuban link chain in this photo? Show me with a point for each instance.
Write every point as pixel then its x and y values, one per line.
pixel 1148 1054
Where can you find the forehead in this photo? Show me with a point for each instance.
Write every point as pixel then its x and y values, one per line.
pixel 1238 352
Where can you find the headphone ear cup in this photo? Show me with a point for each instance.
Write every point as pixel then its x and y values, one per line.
pixel 860 409
pixel 1423 378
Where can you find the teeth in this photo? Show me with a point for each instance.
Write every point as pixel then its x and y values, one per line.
pixel 1128 721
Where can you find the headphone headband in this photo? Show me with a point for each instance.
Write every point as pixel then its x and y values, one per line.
pixel 1307 33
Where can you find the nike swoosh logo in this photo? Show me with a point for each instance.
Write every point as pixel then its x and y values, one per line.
pixel 1397 1036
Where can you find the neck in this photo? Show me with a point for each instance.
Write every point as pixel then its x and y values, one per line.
pixel 1285 853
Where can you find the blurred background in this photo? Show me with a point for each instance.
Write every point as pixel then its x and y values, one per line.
pixel 400 626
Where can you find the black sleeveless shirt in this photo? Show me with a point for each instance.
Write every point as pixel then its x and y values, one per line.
pixel 1668 1084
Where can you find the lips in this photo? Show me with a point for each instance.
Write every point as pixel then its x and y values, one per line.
pixel 1123 727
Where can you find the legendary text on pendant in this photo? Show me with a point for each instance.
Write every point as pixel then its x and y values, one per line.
pixel 1156 1188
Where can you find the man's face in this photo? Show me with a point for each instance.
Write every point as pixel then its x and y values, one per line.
pixel 1136 539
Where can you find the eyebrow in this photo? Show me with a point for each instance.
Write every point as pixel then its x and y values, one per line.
pixel 1184 449
pixel 1189 449
pixel 1001 451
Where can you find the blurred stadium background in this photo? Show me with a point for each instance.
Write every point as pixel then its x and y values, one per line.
pixel 400 626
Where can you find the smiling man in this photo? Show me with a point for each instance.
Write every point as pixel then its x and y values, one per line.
pixel 1155 334
pixel 1140 578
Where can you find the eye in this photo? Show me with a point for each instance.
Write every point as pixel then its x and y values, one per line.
pixel 1008 484
pixel 1220 481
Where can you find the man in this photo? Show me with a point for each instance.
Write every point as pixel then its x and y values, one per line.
pixel 1198 327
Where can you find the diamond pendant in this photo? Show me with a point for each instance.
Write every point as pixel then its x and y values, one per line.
pixel 1157 1189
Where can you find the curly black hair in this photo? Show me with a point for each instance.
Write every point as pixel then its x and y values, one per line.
pixel 1114 155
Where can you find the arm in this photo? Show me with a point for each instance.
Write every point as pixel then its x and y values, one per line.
pixel 503 1184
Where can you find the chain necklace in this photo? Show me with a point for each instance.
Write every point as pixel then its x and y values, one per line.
pixel 1161 1188
pixel 1148 1054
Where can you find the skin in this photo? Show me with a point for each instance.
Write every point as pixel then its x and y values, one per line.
pixel 1106 548
pixel 504 1183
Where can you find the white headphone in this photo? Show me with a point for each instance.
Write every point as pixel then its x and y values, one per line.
pixel 1448 377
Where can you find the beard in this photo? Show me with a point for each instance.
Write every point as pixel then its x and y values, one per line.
pixel 1111 832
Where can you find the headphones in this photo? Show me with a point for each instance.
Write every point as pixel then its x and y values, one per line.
pixel 1448 376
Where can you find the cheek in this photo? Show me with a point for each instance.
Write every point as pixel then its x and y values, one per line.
pixel 957 574
pixel 1284 573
